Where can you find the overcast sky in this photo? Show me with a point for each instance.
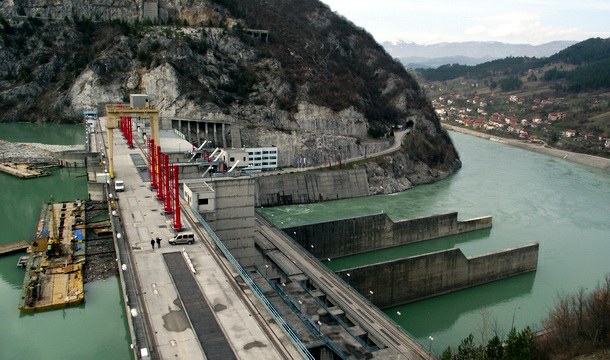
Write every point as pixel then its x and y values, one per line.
pixel 515 21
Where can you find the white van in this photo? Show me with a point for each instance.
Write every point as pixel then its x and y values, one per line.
pixel 119 185
pixel 182 238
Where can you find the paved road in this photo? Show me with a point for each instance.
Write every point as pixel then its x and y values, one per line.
pixel 398 137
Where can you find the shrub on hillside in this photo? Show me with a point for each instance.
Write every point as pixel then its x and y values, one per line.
pixel 579 323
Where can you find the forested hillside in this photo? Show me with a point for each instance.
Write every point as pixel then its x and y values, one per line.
pixel 583 66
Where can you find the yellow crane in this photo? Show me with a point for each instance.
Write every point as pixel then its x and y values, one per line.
pixel 113 114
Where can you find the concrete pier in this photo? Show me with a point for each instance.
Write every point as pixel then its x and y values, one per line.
pixel 352 236
pixel 418 277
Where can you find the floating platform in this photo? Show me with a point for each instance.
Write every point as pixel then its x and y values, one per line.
pixel 23 261
pixel 13 247
pixel 54 268
pixel 23 171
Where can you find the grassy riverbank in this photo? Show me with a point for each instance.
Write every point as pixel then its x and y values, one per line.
pixel 596 161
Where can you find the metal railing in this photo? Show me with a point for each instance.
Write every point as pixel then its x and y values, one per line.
pixel 255 289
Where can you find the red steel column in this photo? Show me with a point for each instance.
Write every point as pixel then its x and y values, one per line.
pixel 177 223
pixel 153 164
pixel 166 171
pixel 130 132
pixel 159 173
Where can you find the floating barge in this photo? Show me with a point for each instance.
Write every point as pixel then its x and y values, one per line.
pixel 13 247
pixel 23 171
pixel 54 267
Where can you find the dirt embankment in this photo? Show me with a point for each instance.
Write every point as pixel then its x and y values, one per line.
pixel 596 161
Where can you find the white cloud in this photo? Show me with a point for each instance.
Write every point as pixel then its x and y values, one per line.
pixel 512 16
pixel 475 30
pixel 515 21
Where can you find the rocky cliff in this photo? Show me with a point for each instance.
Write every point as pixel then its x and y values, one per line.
pixel 310 82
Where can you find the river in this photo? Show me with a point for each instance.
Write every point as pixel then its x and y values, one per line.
pixel 532 197
pixel 96 329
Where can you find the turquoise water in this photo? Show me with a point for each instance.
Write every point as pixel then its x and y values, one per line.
pixel 96 329
pixel 58 134
pixel 532 198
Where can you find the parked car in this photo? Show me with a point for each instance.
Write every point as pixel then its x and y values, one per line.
pixel 119 185
pixel 182 238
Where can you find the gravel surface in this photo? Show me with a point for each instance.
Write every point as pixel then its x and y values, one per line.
pixel 101 257
pixel 32 152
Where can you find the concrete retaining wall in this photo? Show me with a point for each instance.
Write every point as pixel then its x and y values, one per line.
pixel 372 232
pixel 233 219
pixel 406 280
pixel 309 187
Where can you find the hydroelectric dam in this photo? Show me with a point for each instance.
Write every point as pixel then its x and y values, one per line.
pixel 246 289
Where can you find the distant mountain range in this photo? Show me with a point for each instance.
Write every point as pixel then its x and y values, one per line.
pixel 466 53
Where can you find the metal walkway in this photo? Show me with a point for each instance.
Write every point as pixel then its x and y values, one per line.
pixel 210 335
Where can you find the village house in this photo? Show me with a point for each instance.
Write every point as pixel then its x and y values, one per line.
pixel 554 116
pixel 511 119
pixel 569 133
pixel 497 122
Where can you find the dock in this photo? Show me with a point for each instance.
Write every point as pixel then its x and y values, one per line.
pixel 23 171
pixel 13 247
pixel 54 270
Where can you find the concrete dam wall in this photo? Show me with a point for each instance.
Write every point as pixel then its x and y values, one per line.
pixel 414 278
pixel 309 187
pixel 372 232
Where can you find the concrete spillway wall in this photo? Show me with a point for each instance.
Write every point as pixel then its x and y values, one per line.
pixel 309 187
pixel 414 278
pixel 233 218
pixel 372 232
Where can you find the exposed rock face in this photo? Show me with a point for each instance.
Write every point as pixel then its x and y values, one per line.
pixel 318 119
pixel 319 89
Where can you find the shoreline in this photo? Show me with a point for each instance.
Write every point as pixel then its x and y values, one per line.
pixel 591 160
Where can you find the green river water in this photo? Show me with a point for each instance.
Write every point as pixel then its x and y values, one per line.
pixel 532 198
pixel 95 329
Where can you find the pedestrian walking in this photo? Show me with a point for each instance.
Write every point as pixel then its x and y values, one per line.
pixel 158 242
pixel 152 243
